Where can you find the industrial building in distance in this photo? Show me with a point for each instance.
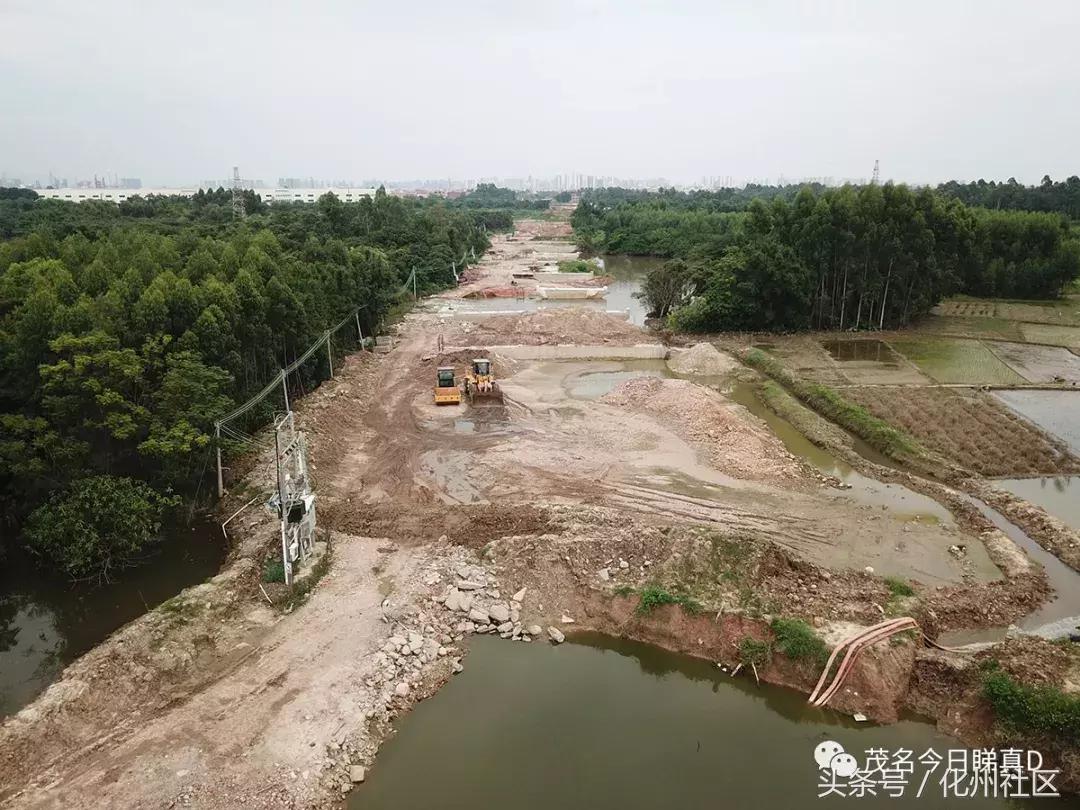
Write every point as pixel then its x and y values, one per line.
pixel 269 195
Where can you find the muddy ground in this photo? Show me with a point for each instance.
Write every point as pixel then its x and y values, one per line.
pixel 552 509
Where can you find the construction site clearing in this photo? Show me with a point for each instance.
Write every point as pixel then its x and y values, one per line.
pixel 609 463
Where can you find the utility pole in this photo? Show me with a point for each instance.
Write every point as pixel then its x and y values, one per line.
pixel 330 355
pixel 414 296
pixel 359 331
pixel 217 441
pixel 285 388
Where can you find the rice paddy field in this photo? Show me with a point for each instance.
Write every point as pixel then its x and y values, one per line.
pixel 957 361
pixel 972 429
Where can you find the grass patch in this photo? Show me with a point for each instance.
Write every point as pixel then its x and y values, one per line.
pixel 753 651
pixel 273 571
pixel 798 641
pixel 829 403
pixel 1044 709
pixel 623 590
pixel 898 587
pixel 576 266
pixel 654 596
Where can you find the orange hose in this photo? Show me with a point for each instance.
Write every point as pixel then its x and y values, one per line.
pixel 854 650
pixel 839 647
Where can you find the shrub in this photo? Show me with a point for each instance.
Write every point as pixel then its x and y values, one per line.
pixel 798 641
pixel 897 587
pixel 752 651
pixel 653 596
pixel 273 570
pixel 1032 708
pixel 576 266
pixel 97 526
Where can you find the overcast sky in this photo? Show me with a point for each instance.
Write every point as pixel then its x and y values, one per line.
pixel 178 92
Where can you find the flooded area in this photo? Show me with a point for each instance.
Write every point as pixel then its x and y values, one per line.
pixel 1057 412
pixel 45 623
pixel 605 723
pixel 847 351
pixel 1064 580
pixel 593 380
pixel 902 501
pixel 1058 495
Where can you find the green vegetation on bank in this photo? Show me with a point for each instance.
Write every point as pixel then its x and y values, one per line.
pixel 830 404
pixel 126 330
pixel 1041 709
pixel 798 641
pixel 872 257
pixel 653 596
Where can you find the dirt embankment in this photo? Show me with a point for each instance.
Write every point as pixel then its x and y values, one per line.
pixel 734 440
pixel 546 327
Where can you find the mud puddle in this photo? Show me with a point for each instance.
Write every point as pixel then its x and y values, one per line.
pixel 46 623
pixel 1058 495
pixel 1066 584
pixel 604 723
pixel 877 351
pixel 596 379
pixel 900 500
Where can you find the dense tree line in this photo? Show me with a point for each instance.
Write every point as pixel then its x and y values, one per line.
pixel 1062 197
pixel 845 258
pixel 488 195
pixel 125 330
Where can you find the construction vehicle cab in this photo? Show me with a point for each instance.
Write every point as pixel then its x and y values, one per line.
pixel 480 381
pixel 446 387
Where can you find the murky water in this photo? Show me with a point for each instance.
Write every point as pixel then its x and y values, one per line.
pixel 861 350
pixel 45 624
pixel 1064 580
pixel 1058 495
pixel 593 384
pixel 605 724
pixel 1055 411
pixel 901 501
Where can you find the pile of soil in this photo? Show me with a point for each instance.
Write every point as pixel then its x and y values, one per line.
pixel 736 441
pixel 553 326
pixel 702 359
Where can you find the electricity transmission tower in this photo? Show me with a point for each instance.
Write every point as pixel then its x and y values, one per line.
pixel 877 174
pixel 237 194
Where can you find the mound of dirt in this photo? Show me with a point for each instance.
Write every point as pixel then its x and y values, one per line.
pixel 702 359
pixel 568 325
pixel 736 442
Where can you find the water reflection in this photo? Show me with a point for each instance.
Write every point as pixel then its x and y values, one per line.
pixel 46 623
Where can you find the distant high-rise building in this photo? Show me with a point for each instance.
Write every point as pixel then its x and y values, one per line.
pixel 130 182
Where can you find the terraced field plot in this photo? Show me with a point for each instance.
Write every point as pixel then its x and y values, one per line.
pixel 993 328
pixel 1053 335
pixel 872 362
pixel 968 362
pixel 1038 363
pixel 970 428
pixel 966 308
pixel 1065 312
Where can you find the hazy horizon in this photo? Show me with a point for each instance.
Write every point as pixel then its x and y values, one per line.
pixel 177 96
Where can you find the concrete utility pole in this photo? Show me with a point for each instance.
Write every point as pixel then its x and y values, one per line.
pixel 217 441
pixel 285 388
pixel 359 331
pixel 330 355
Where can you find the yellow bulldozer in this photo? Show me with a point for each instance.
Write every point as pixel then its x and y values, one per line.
pixel 447 391
pixel 480 381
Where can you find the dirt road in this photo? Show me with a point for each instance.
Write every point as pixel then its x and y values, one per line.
pixel 217 701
